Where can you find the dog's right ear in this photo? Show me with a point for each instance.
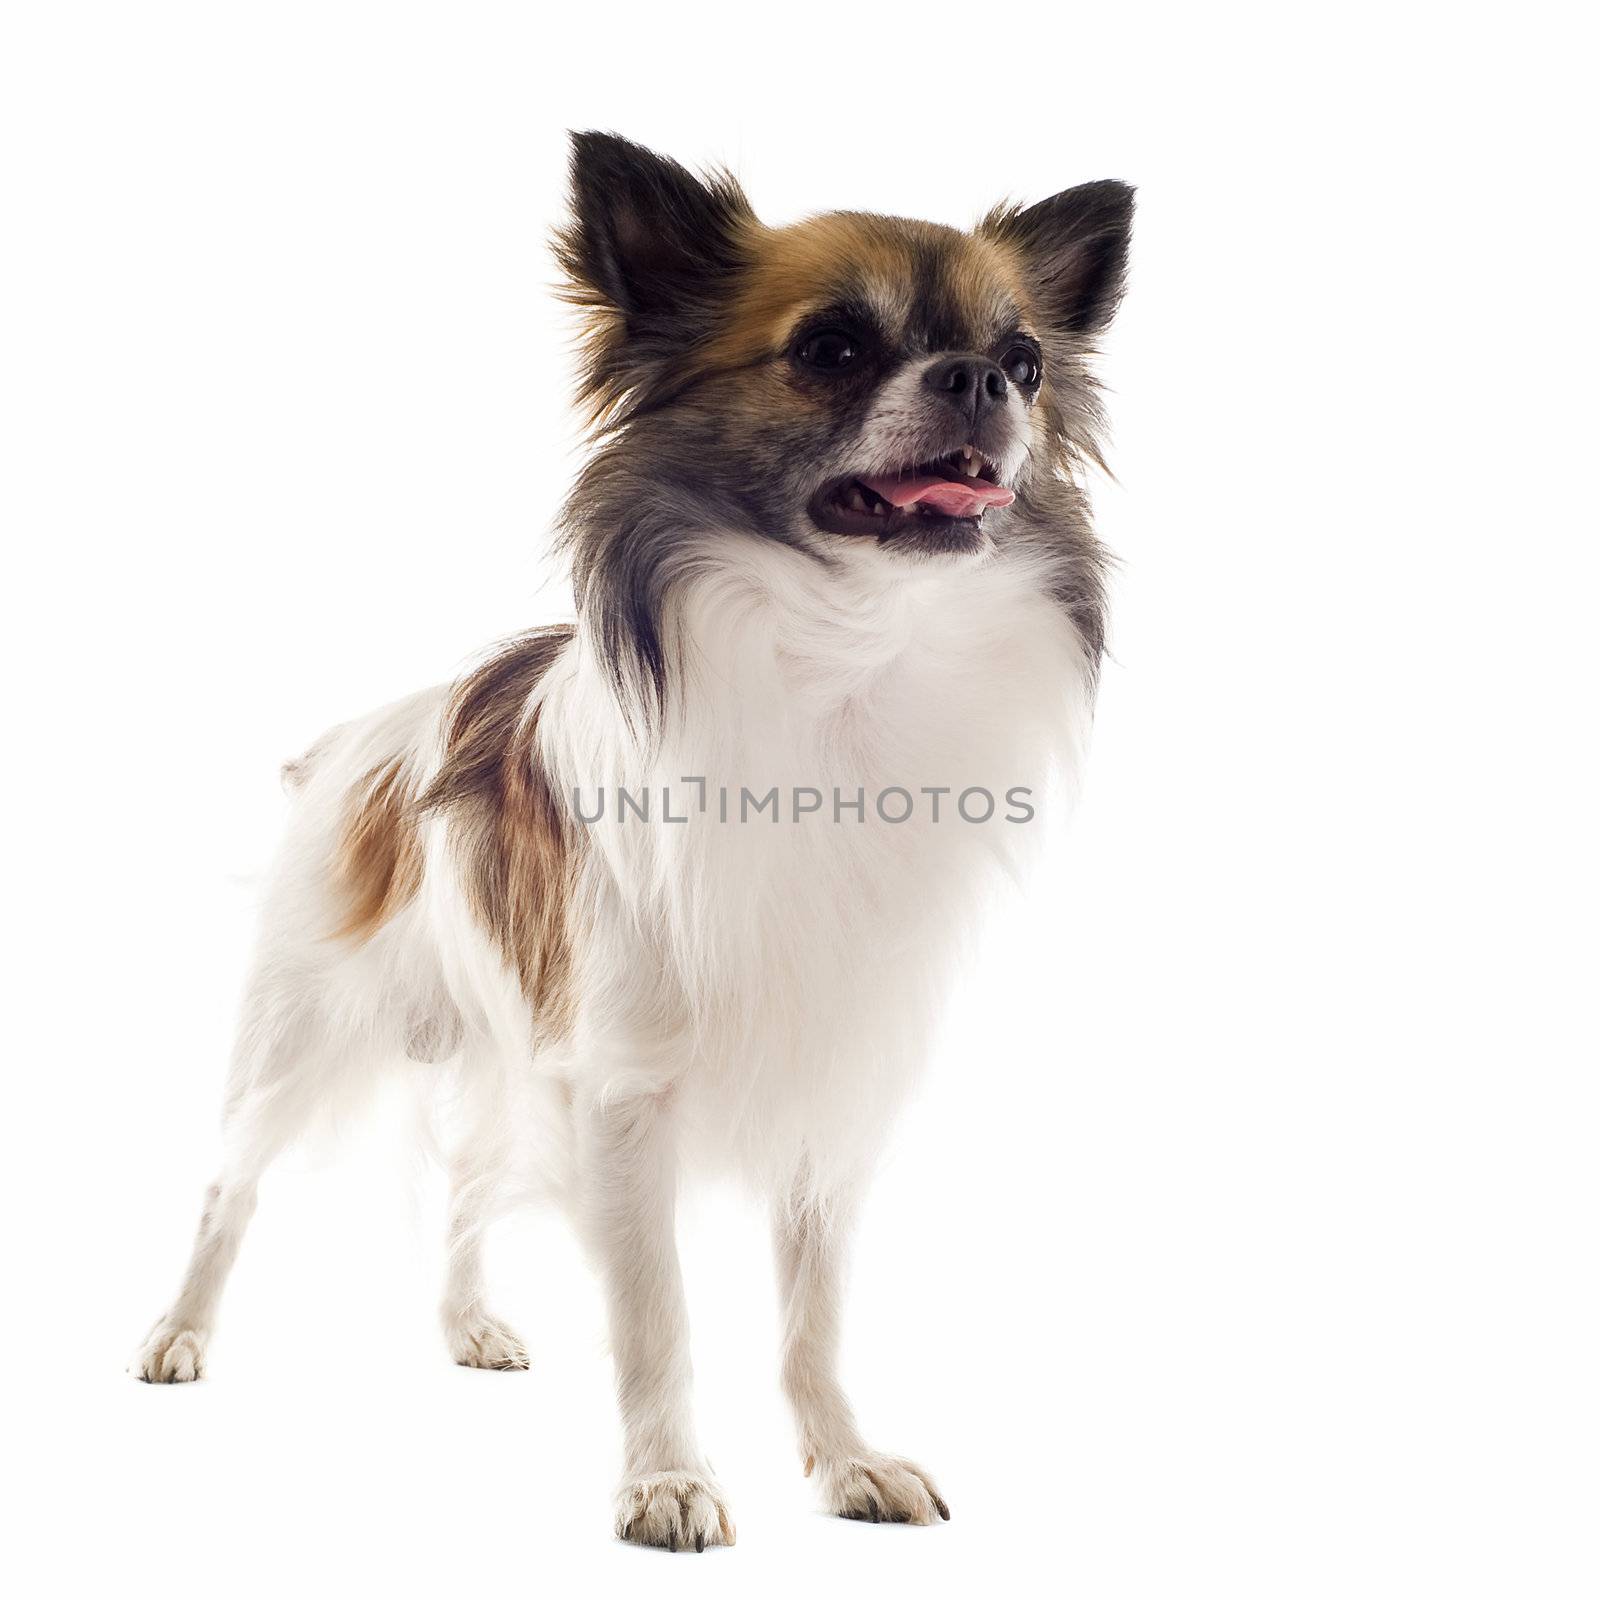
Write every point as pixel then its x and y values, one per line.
pixel 647 255
pixel 1074 249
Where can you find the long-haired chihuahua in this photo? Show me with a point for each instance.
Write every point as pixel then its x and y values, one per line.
pixel 682 882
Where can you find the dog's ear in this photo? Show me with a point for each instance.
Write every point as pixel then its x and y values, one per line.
pixel 648 256
pixel 1074 250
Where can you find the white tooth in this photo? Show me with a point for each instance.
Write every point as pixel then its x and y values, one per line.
pixel 974 465
pixel 966 451
pixel 857 501
pixel 880 510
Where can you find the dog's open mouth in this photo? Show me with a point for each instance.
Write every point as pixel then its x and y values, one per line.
pixel 949 490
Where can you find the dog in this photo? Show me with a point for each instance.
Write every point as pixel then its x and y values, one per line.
pixel 682 882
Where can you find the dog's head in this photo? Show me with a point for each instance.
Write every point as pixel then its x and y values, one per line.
pixel 852 379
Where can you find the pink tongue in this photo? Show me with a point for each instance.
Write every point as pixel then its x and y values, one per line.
pixel 964 499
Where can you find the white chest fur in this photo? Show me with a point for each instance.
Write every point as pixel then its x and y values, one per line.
pixel 853 756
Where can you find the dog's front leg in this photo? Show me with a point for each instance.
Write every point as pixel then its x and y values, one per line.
pixel 629 1184
pixel 854 1481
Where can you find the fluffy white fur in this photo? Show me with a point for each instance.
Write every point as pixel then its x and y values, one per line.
pixel 737 993
pixel 751 996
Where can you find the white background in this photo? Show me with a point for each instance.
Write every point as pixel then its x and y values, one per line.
pixel 1243 1241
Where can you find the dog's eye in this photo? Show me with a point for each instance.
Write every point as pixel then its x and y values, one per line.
pixel 832 350
pixel 1021 366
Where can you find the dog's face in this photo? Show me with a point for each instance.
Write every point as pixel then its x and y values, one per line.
pixel 896 385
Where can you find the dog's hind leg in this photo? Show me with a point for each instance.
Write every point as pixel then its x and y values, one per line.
pixel 477 1175
pixel 278 1081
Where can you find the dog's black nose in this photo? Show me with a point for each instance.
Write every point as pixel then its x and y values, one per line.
pixel 971 384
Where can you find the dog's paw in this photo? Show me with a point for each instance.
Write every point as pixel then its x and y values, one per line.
pixel 674 1510
pixel 486 1342
pixel 171 1354
pixel 874 1488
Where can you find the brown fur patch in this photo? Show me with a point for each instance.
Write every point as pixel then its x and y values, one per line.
pixel 512 837
pixel 377 869
pixel 797 269
pixel 800 268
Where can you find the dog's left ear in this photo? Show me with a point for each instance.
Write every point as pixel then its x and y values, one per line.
pixel 1074 248
pixel 648 255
